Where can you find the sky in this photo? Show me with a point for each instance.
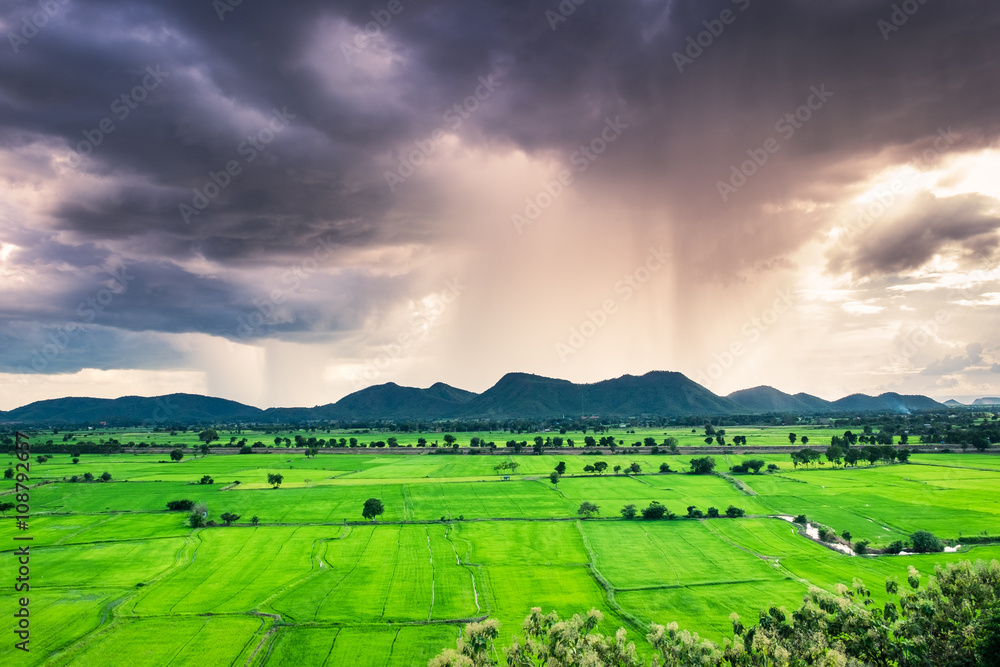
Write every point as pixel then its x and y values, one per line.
pixel 282 203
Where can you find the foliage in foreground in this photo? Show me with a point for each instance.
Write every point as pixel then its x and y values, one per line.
pixel 953 621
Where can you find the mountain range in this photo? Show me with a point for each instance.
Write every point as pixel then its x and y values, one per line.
pixel 515 395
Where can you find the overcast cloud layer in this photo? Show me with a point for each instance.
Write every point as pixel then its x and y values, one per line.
pixel 260 202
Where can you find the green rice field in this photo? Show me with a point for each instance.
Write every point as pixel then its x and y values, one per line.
pixel 116 579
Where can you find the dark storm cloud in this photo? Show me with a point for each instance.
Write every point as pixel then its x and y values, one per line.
pixel 219 81
pixel 29 347
pixel 966 224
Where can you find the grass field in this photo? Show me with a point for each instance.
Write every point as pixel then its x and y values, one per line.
pixel 118 580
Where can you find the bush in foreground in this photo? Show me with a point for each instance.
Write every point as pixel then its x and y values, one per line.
pixel 954 621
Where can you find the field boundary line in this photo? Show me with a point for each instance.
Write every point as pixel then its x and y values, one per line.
pixel 665 587
pixel 606 586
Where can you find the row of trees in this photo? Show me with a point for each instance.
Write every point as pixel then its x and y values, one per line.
pixel 952 622
pixel 656 510
pixel 851 456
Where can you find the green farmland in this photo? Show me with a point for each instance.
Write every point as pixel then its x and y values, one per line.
pixel 116 579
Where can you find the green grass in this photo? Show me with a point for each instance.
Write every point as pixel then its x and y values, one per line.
pixel 305 588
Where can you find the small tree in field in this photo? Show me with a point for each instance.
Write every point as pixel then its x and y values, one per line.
pixel 373 508
pixel 196 520
pixel 176 455
pixel 229 517
pixel 703 466
pixel 6 507
pixel 254 519
pixel 654 511
pixel 106 477
pixel 275 479
pixel 588 509
pixel 925 542
pixel 629 512
pixel 554 477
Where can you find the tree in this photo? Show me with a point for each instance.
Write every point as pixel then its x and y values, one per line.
pixel 106 477
pixel 617 469
pixel 208 435
pixel 702 466
pixel 88 476
pixel 713 513
pixel 925 542
pixel 206 479
pixel 275 479
pixel 709 440
pixel 755 465
pixel 6 507
pixel 180 505
pixel 834 454
pixel 600 466
pixel 629 512
pixel 664 467
pixel 554 477
pixel 861 546
pixel 872 454
pixel 76 459
pixel 8 473
pixel 791 438
pixel 254 519
pixel 229 517
pixel 246 449
pixel 372 508
pixel 894 547
pixel 196 520
pixel 903 455
pixel 176 455
pixel 449 439
pixel 561 468
pixel 733 512
pixel 654 511
pixel 804 440
pixel 694 512
pixel 635 468
pixel 588 509
pixel 852 456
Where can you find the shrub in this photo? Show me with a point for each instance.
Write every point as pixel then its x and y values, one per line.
pixel 180 505
pixel 654 511
pixel 894 547
pixel 861 546
pixel 733 511
pixel 713 513
pixel 664 467
pixel 800 518
pixel 925 542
